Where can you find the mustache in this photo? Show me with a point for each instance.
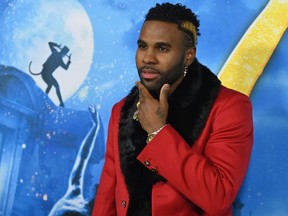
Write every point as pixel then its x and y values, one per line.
pixel 146 67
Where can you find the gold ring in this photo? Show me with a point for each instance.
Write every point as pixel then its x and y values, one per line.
pixel 138 104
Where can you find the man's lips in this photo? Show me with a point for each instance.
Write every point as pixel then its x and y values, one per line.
pixel 149 74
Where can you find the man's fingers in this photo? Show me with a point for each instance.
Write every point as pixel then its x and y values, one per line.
pixel 164 93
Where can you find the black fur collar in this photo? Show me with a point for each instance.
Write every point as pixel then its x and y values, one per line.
pixel 189 107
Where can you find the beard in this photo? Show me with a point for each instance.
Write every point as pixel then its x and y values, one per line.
pixel 172 76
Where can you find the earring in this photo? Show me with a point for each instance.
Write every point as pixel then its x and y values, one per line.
pixel 185 70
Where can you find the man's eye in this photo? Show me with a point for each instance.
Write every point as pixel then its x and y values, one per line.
pixel 141 46
pixel 162 49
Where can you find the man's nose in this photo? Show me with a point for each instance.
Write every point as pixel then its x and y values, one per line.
pixel 149 57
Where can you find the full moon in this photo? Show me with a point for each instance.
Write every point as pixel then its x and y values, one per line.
pixel 28 26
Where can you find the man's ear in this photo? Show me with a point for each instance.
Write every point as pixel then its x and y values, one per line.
pixel 190 55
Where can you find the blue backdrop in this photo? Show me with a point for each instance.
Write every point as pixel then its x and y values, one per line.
pixel 43 146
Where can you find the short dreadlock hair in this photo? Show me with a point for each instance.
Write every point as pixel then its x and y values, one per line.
pixel 176 13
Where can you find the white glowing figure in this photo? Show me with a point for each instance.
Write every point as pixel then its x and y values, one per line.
pixel 73 202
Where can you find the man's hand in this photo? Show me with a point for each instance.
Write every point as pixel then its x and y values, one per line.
pixel 152 114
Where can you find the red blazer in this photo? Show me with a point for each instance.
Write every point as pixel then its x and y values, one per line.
pixel 201 180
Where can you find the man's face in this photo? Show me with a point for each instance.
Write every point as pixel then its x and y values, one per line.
pixel 161 55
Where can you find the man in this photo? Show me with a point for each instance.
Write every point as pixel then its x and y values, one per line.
pixel 54 61
pixel 179 143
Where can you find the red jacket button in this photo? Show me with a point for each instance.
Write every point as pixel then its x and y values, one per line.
pixel 153 169
pixel 123 203
pixel 147 163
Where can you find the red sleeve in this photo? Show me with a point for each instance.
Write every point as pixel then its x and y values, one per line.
pixel 105 197
pixel 210 179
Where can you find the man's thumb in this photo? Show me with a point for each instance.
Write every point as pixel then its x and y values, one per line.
pixel 164 93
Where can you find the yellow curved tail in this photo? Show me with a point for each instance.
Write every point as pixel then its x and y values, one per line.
pixel 249 58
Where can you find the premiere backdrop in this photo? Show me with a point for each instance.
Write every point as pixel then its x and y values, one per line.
pixel 51 156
